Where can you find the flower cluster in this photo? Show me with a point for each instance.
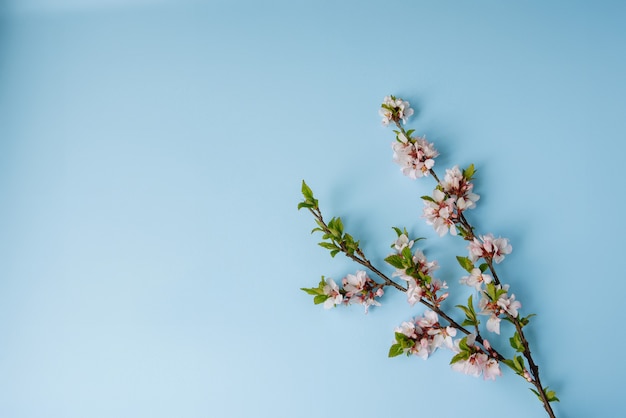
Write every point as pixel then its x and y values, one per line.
pixel 394 110
pixel 496 301
pixel 415 156
pixel 489 248
pixel 356 289
pixel 474 361
pixel 457 185
pixel 361 290
pixel 440 213
pixel 417 271
pixel 422 336
pixel 452 196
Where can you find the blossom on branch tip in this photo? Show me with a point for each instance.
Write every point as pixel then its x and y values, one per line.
pixel 394 110
pixel 402 242
pixel 334 296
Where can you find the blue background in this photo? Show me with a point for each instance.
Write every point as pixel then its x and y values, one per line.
pixel 151 154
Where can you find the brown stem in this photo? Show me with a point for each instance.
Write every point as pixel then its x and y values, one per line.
pixel 362 260
pixel 518 326
pixel 534 369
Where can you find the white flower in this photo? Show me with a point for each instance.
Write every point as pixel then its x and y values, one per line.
pixel 402 242
pixel 414 292
pixel 476 279
pixel 408 329
pixel 439 213
pixel 473 366
pixel 457 186
pixel 415 156
pixel 494 248
pixel 355 283
pixel 510 305
pixel 332 291
pixel 491 369
pixel 493 324
pixel 442 336
pixel 394 109
pixel 429 319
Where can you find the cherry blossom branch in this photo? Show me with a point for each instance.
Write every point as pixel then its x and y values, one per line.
pixel 445 211
pixel 468 234
pixel 338 241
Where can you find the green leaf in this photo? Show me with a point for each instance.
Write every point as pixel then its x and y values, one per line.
pixel 469 172
pixel 396 261
pixel 525 320
pixel 470 313
pixel 314 291
pixel 463 345
pixel 463 355
pixel 306 191
pixel 429 199
pixel 516 343
pixel 395 350
pixel 320 299
pixel 483 267
pixel 551 395
pixel 466 263
pixel 536 393
pixel 406 253
pixel 517 364
pixel 333 253
pixel 398 230
pixel 328 245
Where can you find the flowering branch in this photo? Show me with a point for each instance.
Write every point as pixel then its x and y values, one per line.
pixel 457 193
pixel 445 211
pixel 329 293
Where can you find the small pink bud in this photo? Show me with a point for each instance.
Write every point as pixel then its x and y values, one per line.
pixel 486 344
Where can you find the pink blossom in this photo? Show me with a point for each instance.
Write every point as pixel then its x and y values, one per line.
pixel 491 369
pixel 415 156
pixel 473 366
pixel 504 304
pixel 402 242
pixel 394 109
pixel 509 304
pixel 476 279
pixel 414 291
pixel 362 290
pixel 459 188
pixel 490 247
pixel 427 334
pixel 440 213
pixel 332 291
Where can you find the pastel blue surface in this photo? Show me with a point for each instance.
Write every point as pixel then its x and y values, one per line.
pixel 151 155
